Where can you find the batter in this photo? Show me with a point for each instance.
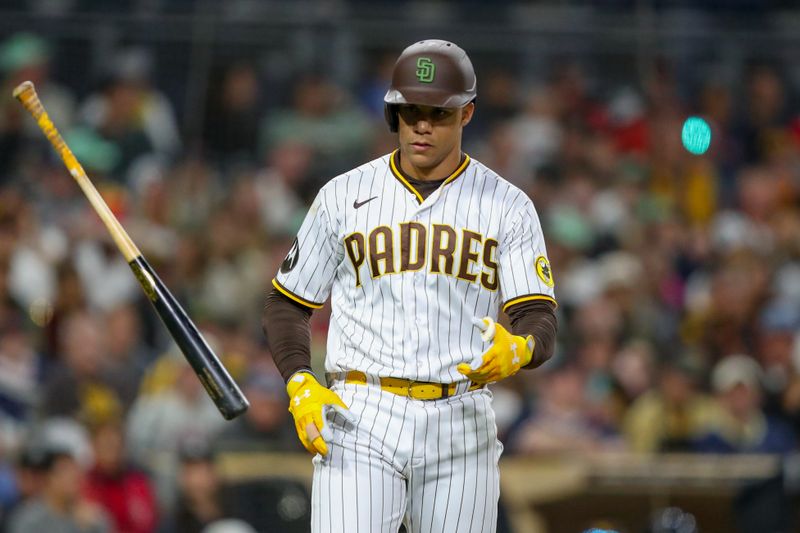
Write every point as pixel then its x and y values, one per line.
pixel 418 251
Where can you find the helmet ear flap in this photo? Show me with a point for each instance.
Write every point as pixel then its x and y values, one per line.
pixel 391 115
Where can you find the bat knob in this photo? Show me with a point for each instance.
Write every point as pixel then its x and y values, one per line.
pixel 487 327
pixel 232 410
pixel 23 88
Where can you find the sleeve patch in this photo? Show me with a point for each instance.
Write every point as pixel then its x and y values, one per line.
pixel 291 258
pixel 543 271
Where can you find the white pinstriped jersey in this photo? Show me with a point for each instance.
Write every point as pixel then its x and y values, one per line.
pixel 406 275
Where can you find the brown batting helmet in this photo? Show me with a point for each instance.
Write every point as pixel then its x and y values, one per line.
pixel 431 72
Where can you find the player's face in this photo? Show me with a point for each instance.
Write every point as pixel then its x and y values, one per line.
pixel 430 137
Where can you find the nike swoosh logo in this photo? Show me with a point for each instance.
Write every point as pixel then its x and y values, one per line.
pixel 357 204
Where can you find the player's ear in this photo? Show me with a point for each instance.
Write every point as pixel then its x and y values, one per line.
pixel 466 113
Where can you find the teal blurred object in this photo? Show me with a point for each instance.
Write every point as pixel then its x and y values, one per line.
pixel 569 227
pixel 92 150
pixel 22 50
pixel 696 135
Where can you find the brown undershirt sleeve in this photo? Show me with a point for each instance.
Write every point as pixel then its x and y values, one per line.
pixel 537 318
pixel 286 326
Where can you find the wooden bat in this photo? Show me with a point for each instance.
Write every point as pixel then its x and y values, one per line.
pixel 218 383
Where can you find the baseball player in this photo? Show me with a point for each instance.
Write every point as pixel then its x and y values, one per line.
pixel 418 251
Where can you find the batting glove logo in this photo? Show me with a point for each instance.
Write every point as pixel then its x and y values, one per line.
pixel 310 404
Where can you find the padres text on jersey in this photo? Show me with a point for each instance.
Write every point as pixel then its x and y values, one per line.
pixel 406 275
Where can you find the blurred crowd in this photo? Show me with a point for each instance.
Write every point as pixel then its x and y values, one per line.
pixel 677 276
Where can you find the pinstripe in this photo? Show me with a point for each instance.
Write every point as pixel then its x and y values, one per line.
pixel 494 469
pixel 404 419
pixel 461 355
pixel 407 210
pixel 359 438
pixel 326 501
pixel 303 245
pixel 317 234
pixel 370 454
pixel 358 358
pixel 425 465
pixel 410 504
pixel 316 501
pixel 474 434
pixel 463 496
pixel 450 468
pixel 391 282
pixel 486 452
pixel 383 450
pixel 313 275
pixel 418 312
pixel 437 463
pixel 525 232
pixel 367 366
pixel 490 302
pixel 423 483
pixel 504 230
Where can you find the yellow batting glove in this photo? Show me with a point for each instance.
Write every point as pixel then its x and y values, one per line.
pixel 309 402
pixel 504 358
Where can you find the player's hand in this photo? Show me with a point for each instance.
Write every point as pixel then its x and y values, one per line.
pixel 504 358
pixel 309 403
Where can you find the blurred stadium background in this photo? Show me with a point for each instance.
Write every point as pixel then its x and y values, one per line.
pixel 673 402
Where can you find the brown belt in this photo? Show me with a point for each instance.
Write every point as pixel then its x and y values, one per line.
pixel 418 390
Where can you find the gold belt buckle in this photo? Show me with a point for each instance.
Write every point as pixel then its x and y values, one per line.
pixel 421 390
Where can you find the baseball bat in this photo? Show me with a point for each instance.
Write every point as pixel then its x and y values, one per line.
pixel 218 383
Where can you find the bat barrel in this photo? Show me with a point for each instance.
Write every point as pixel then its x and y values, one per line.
pixel 219 384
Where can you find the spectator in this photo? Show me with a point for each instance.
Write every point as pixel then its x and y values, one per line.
pixel 122 491
pixel 82 383
pixel 27 479
pixel 276 188
pixel 131 113
pixel 60 507
pixel 199 503
pixel 761 131
pixel 322 116
pixel 151 212
pixel 740 425
pixel 560 422
pixel 670 417
pixel 127 352
pixel 778 321
pixel 232 112
pixel 20 372
pixel 39 248
pixel 234 276
pixel 8 488
pixel 171 408
pixel 538 132
pixel 70 300
pixel 105 275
